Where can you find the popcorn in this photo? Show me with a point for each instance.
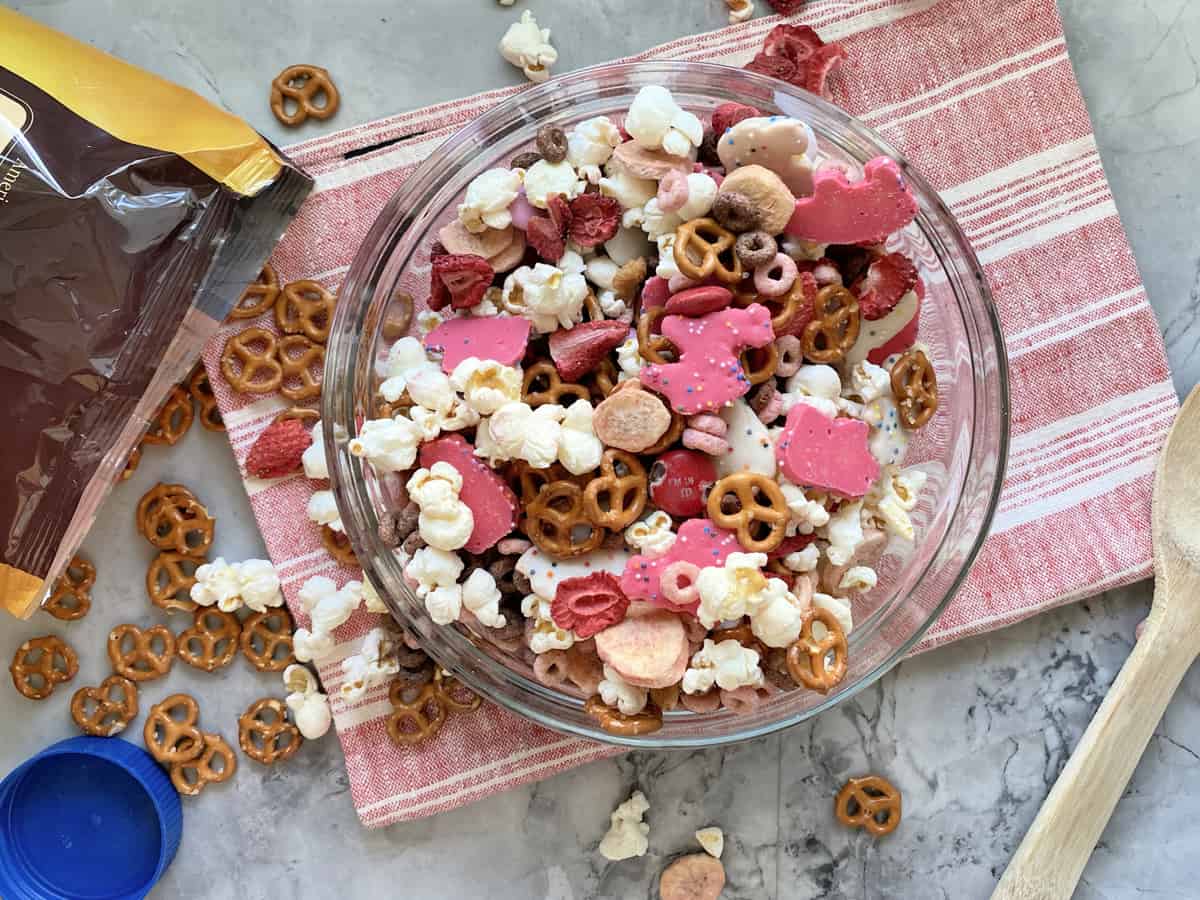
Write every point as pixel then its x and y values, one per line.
pixel 802 250
pixel 389 445
pixel 616 691
pixel 433 568
pixel 488 198
pixel 260 585
pixel 600 271
pixel 307 646
pixel 545 635
pixel 894 497
pixel 528 48
pixel 445 522
pixel 629 359
pixel 807 515
pixel 631 192
pixel 803 560
pixel 431 388
pixel 253 584
pixel 655 121
pixel 374 664
pixel 627 245
pixel 859 579
pixel 545 178
pixel 516 431
pixel 486 384
pixel 481 596
pixel 591 142
pixel 428 320
pixel 405 358
pixel 727 664
pixel 322 509
pixel 549 297
pixel 838 606
pixel 844 532
pixel 656 222
pixel 702 192
pixel 628 835
pixel 777 620
pixel 712 839
pixel 579 450
pixel 614 307
pixel 310 708
pixel 739 11
pixel 732 590
pixel 818 385
pixel 652 536
pixel 327 606
pixel 868 382
pixel 444 604
pixel 666 257
pixel 313 458
pixel 371 598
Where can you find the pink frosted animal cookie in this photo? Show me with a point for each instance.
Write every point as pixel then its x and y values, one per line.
pixel 841 212
pixel 829 454
pixel 698 542
pixel 708 374
pixel 492 502
pixel 502 338
pixel 648 648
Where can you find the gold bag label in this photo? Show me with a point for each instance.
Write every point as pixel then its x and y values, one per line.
pixel 15 117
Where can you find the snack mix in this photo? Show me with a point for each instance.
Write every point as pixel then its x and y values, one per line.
pixel 651 439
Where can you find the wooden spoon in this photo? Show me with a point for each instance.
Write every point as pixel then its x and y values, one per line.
pixel 1051 858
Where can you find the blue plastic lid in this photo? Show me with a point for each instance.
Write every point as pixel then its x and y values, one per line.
pixel 87 819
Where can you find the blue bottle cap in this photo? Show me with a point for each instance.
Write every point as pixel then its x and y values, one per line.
pixel 87 819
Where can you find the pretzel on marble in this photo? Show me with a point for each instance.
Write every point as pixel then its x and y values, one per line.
pixel 201 390
pixel 169 738
pixel 169 580
pixel 302 84
pixel 869 802
pixel 173 420
pixel 212 640
pixel 194 775
pixel 42 663
pixel 98 712
pixel 71 597
pixel 265 734
pixel 131 650
pixel 264 636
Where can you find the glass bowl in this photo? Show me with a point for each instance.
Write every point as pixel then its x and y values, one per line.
pixel 963 449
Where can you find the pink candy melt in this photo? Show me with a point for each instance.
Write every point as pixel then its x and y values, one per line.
pixel 699 542
pixel 708 374
pixel 698 301
pixel 502 338
pixel 839 212
pixel 492 502
pixel 655 292
pixel 829 454
pixel 521 211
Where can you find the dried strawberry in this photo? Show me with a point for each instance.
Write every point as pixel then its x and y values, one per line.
pixel 278 450
pixel 560 212
pixel 589 604
pixel 796 42
pixel 786 7
pixel 576 351
pixel 796 54
pixel 791 545
pixel 776 66
pixel 820 64
pixel 888 279
pixel 727 115
pixel 806 309
pixel 546 238
pixel 594 219
pixel 906 337
pixel 458 279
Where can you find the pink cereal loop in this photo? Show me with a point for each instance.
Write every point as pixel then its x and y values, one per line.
pixel 708 423
pixel 791 355
pixel 513 546
pixel 672 191
pixel 712 444
pixel 672 575
pixel 550 668
pixel 769 285
pixel 773 410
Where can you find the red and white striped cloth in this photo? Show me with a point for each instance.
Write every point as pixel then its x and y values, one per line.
pixel 981 97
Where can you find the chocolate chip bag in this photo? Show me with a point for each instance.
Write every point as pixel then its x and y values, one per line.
pixel 132 215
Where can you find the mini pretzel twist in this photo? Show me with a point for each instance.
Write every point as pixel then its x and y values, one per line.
pixel 72 595
pixel 132 654
pixel 759 365
pixel 302 363
pixel 603 381
pixel 834 327
pixel 305 307
pixel 169 580
pixel 250 370
pixel 542 384
pixel 264 635
pixel 156 499
pixel 417 715
pixel 456 695
pixel 98 711
pixel 556 516
pixel 179 523
pixel 808 659
pixel 337 545
pixel 265 734
pixel 194 775
pixel 173 420
pixel 170 738
pixel 616 722
pixel 259 295
pixel 704 248
pixel 782 309
pixel 302 84
pixel 212 640
pixel 527 481
pixel 762 515
pixel 914 384
pixel 201 390
pixel 615 499
pixel 40 664
pixel 653 347
pixel 869 802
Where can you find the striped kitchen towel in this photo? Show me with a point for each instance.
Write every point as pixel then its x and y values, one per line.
pixel 982 99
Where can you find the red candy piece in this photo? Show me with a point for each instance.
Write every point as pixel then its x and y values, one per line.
pixel 589 604
pixel 594 219
pixel 278 450
pixel 828 454
pixel 576 351
pixel 546 238
pixel 698 541
pixel 888 279
pixel 839 212
pixel 458 279
pixel 727 115
pixel 906 337
pixel 502 338
pixel 796 54
pixel 678 480
pixel 492 502
pixel 699 301
pixel 655 292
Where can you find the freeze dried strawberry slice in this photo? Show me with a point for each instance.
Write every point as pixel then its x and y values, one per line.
pixel 594 219
pixel 888 279
pixel 278 450
pixel 797 55
pixel 560 212
pixel 576 351
pixel 786 7
pixel 805 311
pixel 459 280
pixel 727 115
pixel 546 238
pixel 776 66
pixel 816 70
pixel 589 604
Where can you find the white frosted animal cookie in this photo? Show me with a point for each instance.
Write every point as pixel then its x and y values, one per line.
pixel 782 144
pixel 545 574
pixel 875 333
pixel 752 447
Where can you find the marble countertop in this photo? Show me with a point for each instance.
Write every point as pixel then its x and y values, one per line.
pixel 974 734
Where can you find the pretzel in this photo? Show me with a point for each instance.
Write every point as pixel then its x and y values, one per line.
pixel 555 518
pixel 743 634
pixel 338 546
pixel 259 295
pixel 456 695
pixel 298 357
pixel 834 327
pixel 263 634
pixel 41 663
pixel 305 307
pixel 171 739
pixel 808 658
pixel 212 640
pixel 670 436
pixel 914 384
pixel 651 346
pixel 603 381
pixel 593 312
pixel 301 84
pixel 417 714
pixel 613 500
pixel 170 579
pixel 762 515
pixel 97 712
pixel 542 384
pixel 782 309
pixel 154 500
pixel 265 734
pixel 616 722
pixel 869 802
pixel 194 775
pixel 71 597
pixel 173 420
pixel 131 463
pixel 708 240
pixel 249 370
pixel 171 518
pixel 201 390
pixel 141 662
pixel 759 364
pixel 526 481
pixel 299 414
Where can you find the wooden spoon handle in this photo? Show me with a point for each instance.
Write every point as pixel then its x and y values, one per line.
pixel 1051 858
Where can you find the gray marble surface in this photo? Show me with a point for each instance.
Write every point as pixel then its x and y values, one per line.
pixel 974 733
